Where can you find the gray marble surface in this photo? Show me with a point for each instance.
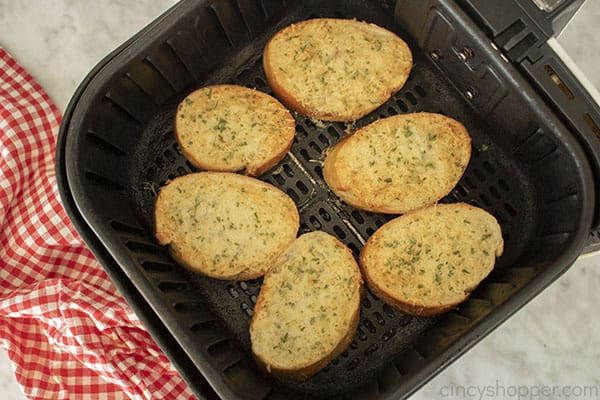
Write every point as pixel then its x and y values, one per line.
pixel 548 347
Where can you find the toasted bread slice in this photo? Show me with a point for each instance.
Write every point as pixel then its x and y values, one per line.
pixel 225 225
pixel 336 69
pixel 428 261
pixel 400 163
pixel 307 310
pixel 232 128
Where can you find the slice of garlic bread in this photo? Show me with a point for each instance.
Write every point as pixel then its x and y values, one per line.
pixel 336 69
pixel 400 163
pixel 225 225
pixel 233 128
pixel 428 261
pixel 307 310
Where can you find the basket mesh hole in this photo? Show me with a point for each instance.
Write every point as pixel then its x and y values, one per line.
pixel 155 266
pixel 173 286
pixel 311 125
pixel 167 136
pixel 494 192
pixel 392 111
pixel 470 183
pixel 379 318
pixel 406 319
pixel 403 107
pixel 390 312
pixel 503 185
pixel 288 170
pixel 510 210
pixel 171 177
pixel 279 179
pixel 169 156
pixel 300 131
pixel 245 75
pixel 292 193
pixel 142 247
pixel 260 83
pixel 353 364
pixel 190 166
pixel 246 309
pixel 324 214
pixel 304 154
pixel 361 334
pixel 302 187
pixel 461 190
pixel 339 232
pixel 319 171
pixel 188 306
pixel 303 228
pixel 204 326
pixel 315 222
pixel 371 349
pixel 334 132
pixel 489 167
pixel 324 139
pixel 233 292
pixel 150 173
pixel 126 228
pixel 479 175
pixel 411 98
pixel 315 147
pixel 370 326
pixel 387 335
pixel 367 303
pixel 357 217
pixel 485 200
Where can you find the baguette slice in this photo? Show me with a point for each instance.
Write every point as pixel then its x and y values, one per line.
pixel 400 163
pixel 231 128
pixel 336 69
pixel 307 310
pixel 428 261
pixel 225 225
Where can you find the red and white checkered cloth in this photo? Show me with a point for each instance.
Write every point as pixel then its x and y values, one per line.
pixel 68 332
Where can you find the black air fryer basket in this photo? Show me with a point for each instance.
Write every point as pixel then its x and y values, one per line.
pixel 534 166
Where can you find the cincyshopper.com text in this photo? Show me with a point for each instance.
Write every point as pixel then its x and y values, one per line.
pixel 520 392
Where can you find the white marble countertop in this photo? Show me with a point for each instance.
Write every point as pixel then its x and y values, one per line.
pixel 552 342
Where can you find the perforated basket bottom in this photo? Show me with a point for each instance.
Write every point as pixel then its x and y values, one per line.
pixel 493 181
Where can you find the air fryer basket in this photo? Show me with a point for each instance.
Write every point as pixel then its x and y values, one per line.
pixel 526 169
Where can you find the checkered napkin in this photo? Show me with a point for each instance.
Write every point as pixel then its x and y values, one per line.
pixel 68 332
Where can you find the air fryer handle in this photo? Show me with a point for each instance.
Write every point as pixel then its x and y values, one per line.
pixel 519 27
pixel 573 102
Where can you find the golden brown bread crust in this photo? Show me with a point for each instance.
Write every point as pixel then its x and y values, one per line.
pixel 224 225
pixel 400 163
pixel 308 308
pixel 308 371
pixel 335 69
pixel 232 128
pixel 428 261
